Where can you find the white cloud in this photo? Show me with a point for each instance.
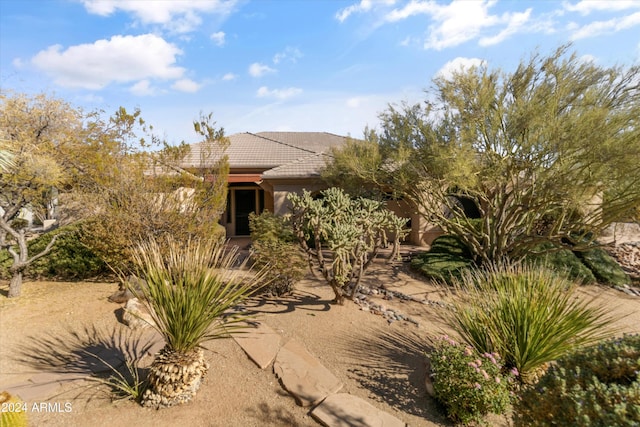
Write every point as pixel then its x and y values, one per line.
pixel 218 38
pixel 120 59
pixel 265 92
pixel 413 8
pixel 597 28
pixel 457 65
pixel 460 21
pixel 229 76
pixel 291 54
pixel 515 24
pixel 142 88
pixel 186 85
pixel 585 7
pixel 257 69
pixel 179 16
pixel 353 102
pixel 361 7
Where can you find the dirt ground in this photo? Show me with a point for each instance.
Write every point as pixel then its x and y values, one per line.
pixel 377 360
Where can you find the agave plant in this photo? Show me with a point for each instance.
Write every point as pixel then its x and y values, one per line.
pixel 192 289
pixel 529 315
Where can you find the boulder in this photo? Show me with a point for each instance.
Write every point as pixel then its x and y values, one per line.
pixel 136 315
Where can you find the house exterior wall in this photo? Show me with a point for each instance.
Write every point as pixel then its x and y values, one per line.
pixel 282 188
pixel 422 232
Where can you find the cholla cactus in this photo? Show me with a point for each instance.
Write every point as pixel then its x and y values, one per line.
pixel 343 235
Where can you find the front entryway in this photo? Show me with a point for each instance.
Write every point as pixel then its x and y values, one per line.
pixel 241 201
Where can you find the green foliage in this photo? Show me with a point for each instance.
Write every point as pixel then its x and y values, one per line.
pixel 142 195
pixel 527 314
pixel 447 258
pixel 604 267
pixel 275 247
pixel 468 384
pixel 537 149
pixel 351 230
pixel 192 289
pixel 598 386
pixel 124 384
pixel 68 260
pixel 446 244
pixel 561 260
pixel 44 137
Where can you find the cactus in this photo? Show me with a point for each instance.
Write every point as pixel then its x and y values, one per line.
pixel 351 230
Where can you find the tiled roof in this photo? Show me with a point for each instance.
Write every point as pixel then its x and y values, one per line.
pixel 305 167
pixel 264 150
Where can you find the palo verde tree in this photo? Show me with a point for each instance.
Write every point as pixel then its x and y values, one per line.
pixel 41 137
pixel 342 235
pixel 547 153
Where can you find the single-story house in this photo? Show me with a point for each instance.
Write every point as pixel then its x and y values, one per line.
pixel 265 167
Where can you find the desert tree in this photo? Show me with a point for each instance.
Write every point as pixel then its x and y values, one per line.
pixel 41 135
pixel 342 235
pixel 546 153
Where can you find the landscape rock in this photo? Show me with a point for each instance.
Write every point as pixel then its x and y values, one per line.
pixel 628 256
pixel 136 315
pixel 124 293
pixel 346 410
pixel 303 376
pixel 261 344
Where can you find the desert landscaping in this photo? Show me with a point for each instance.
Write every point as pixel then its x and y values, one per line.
pixel 375 358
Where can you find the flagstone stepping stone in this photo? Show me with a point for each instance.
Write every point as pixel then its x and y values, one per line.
pixel 29 391
pixel 346 410
pixel 261 344
pixel 303 376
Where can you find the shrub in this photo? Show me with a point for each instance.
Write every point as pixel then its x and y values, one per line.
pixel 527 314
pixel 447 259
pixel 595 386
pixel 275 246
pixel 562 260
pixel 469 385
pixel 604 267
pixel 68 260
pixel 448 244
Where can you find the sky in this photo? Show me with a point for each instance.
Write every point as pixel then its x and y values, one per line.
pixel 285 65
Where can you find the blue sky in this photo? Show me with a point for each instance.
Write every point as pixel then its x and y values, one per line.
pixel 299 65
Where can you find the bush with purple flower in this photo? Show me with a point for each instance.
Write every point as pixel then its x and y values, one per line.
pixel 469 385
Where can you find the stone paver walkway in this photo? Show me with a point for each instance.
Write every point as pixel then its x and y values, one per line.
pixel 309 382
pixel 301 374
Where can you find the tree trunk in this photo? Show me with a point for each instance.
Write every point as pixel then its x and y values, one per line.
pixel 15 286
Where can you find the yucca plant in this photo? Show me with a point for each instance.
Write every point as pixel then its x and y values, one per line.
pixel 125 382
pixel 529 315
pixel 192 289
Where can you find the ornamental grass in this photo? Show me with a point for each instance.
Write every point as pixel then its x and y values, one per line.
pixel 192 289
pixel 529 315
